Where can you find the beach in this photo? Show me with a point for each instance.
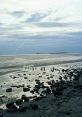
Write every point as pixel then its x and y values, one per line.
pixel 41 85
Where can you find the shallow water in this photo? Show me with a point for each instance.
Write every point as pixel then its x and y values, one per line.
pixel 30 46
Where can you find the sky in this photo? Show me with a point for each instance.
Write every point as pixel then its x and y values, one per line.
pixel 29 19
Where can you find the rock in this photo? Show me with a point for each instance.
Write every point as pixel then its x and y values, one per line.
pixel 26 89
pixel 22 108
pixel 1 112
pixel 9 90
pixel 44 73
pixel 25 77
pixel 17 86
pixel 37 80
pixel 32 91
pixel 37 86
pixel 18 102
pixel 29 86
pixel 48 91
pixel 25 98
pixel 14 77
pixel 11 107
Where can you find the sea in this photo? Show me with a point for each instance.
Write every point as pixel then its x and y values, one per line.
pixel 43 46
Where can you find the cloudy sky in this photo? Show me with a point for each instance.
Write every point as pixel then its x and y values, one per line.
pixel 23 19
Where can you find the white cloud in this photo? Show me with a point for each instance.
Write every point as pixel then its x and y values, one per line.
pixel 32 5
pixel 34 17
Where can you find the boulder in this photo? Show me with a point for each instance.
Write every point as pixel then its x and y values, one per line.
pixel 25 77
pixel 11 107
pixel 25 98
pixel 9 90
pixel 22 108
pixel 32 91
pixel 18 102
pixel 26 89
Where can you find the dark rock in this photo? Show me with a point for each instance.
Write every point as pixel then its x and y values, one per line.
pixel 48 91
pixel 26 89
pixel 49 83
pixel 25 77
pixel 37 86
pixel 9 90
pixel 18 102
pixel 25 98
pixel 14 77
pixel 48 78
pixel 37 80
pixel 11 106
pixel 17 86
pixel 24 74
pixel 22 108
pixel 36 89
pixel 32 91
pixel 39 98
pixel 44 72
pixel 28 86
pixel 63 70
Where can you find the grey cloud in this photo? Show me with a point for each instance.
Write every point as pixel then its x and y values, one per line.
pixel 31 36
pixel 17 14
pixel 36 17
pixel 57 24
pixel 10 27
pixel 7 31
pixel 51 24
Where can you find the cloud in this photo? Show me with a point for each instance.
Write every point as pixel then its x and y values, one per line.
pixel 39 18
pixel 36 17
pixel 17 14
pixel 52 24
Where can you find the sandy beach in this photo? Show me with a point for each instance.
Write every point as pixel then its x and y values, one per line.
pixel 41 85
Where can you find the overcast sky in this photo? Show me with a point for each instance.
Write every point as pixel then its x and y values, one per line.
pixel 23 19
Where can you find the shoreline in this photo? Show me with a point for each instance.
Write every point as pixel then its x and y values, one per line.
pixel 29 76
pixel 56 53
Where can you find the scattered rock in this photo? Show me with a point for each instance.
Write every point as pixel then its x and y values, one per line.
pixel 32 91
pixel 22 108
pixel 25 77
pixel 11 107
pixel 18 102
pixel 25 98
pixel 9 90
pixel 26 89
